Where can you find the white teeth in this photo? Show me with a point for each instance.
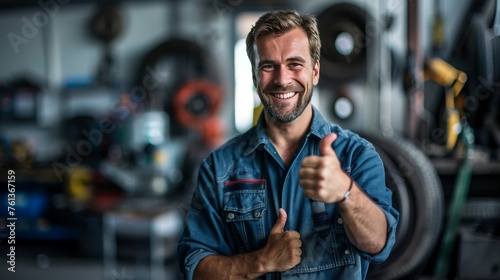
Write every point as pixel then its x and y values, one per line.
pixel 285 95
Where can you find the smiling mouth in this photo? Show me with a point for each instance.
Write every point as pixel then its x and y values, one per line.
pixel 284 95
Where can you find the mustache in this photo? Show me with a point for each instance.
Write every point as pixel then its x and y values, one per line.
pixel 288 88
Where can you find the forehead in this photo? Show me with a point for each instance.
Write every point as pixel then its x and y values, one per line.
pixel 291 43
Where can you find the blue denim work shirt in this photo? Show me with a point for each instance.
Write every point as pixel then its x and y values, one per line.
pixel 242 185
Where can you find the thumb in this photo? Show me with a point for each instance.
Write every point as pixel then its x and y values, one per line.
pixel 325 145
pixel 280 223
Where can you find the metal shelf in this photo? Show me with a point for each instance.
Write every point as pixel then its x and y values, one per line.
pixel 445 166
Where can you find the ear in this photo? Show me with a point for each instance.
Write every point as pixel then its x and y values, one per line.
pixel 316 73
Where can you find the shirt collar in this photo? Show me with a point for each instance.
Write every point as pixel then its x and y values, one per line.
pixel 320 127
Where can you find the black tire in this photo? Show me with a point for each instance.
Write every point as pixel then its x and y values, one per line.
pixel 421 207
pixel 401 199
pixel 167 67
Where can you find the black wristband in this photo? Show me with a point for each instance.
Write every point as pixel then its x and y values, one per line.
pixel 348 192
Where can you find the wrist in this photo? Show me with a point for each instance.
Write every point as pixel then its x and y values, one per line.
pixel 348 192
pixel 259 263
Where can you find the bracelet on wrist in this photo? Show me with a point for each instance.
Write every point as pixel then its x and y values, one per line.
pixel 348 192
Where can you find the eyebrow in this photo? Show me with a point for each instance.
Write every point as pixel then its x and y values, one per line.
pixel 294 58
pixel 297 58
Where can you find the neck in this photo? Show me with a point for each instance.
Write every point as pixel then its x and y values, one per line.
pixel 287 137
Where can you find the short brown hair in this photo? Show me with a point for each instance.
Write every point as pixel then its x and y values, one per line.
pixel 279 22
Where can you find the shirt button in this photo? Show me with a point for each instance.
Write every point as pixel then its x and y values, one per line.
pixel 340 221
pixel 230 216
pixel 256 214
pixel 346 252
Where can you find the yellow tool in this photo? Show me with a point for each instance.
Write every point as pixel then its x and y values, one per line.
pixel 453 80
pixel 79 185
pixel 256 113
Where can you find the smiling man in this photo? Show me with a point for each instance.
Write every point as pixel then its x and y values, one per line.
pixel 296 196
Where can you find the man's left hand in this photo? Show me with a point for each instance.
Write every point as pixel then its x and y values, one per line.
pixel 322 177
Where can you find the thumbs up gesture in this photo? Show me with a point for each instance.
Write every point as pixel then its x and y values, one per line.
pixel 322 177
pixel 282 250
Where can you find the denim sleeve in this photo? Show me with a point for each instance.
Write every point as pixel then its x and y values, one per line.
pixel 203 233
pixel 368 172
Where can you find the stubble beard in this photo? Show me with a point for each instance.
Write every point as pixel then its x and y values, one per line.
pixel 276 111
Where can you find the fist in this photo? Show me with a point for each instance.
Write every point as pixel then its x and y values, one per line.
pixel 283 248
pixel 321 177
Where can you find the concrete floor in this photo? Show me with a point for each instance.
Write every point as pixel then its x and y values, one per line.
pixel 63 261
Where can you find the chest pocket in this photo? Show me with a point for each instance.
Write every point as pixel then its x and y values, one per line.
pixel 244 206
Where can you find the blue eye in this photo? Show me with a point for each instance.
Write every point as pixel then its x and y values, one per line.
pixel 267 67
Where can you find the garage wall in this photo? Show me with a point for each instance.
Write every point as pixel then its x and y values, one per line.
pixel 50 43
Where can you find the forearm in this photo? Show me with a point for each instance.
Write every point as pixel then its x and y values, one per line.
pixel 365 222
pixel 242 266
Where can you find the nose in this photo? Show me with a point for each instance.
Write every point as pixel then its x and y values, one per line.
pixel 282 76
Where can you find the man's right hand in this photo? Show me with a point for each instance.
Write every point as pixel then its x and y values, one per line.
pixel 282 250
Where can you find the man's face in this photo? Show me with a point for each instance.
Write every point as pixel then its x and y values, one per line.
pixel 285 75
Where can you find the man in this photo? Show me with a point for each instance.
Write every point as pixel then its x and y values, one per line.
pixel 295 196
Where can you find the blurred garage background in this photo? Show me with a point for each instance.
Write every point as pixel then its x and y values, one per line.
pixel 107 107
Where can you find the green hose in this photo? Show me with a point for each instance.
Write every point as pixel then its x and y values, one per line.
pixel 460 192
